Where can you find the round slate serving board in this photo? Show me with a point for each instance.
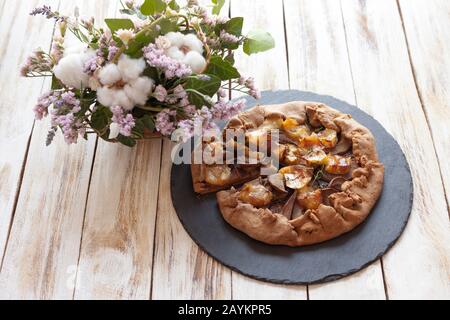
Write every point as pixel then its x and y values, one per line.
pixel 322 262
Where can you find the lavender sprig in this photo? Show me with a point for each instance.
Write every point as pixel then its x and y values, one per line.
pixel 48 13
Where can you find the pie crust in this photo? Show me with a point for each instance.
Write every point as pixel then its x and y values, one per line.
pixel 342 211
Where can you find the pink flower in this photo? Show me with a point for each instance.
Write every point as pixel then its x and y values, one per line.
pixel 225 110
pixel 160 93
pixel 125 122
pixel 172 68
pixel 165 122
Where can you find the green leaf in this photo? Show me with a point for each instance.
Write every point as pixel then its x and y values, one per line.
pixel 222 69
pixel 142 39
pixel 206 84
pixel 150 7
pixel 234 26
pixel 218 4
pixel 167 25
pixel 174 5
pixel 116 24
pixel 138 129
pixel 230 58
pixel 198 99
pixel 258 41
pixel 56 84
pixel 128 141
pixel 100 118
pixel 148 122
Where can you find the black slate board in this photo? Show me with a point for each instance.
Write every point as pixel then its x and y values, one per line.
pixel 317 263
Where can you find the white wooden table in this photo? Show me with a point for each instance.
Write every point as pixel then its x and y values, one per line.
pixel 95 220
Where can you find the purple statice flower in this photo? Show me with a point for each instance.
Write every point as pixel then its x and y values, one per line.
pixel 160 93
pixel 93 63
pixel 200 123
pixel 222 110
pixel 164 121
pixel 112 51
pixel 172 68
pixel 37 63
pixel 124 121
pixel 70 126
pixel 228 37
pixel 222 93
pixel 71 101
pixel 66 105
pixel 43 103
pixel 179 92
pixel 189 109
pixel 47 12
pixel 185 130
pixel 249 83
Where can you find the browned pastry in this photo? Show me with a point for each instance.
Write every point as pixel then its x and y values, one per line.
pixel 330 179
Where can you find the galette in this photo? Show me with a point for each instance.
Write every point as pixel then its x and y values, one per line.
pixel 324 182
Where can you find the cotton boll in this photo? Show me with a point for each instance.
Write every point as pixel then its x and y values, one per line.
pixel 70 71
pixel 138 90
pixel 175 53
pixel 195 60
pixel 93 83
pixel 175 38
pixel 113 130
pixel 109 74
pixel 106 96
pixel 193 43
pixel 74 49
pixel 129 68
pixel 121 99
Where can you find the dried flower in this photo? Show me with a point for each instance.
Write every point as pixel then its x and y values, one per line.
pixel 47 12
pixel 224 110
pixel 160 93
pixel 156 57
pixel 125 35
pixel 125 122
pixel 228 37
pixel 165 122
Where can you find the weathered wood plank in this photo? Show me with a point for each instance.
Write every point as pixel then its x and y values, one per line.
pixel 417 266
pixel 270 72
pixel 18 37
pixel 181 269
pixel 43 250
pixel 318 62
pixel 426 25
pixel 117 242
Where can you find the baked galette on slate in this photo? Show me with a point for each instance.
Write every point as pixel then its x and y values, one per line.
pixel 329 176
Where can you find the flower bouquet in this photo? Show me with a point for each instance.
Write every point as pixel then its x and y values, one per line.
pixel 162 71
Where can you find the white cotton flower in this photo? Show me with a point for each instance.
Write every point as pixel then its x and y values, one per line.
pixel 129 68
pixel 109 74
pixel 93 83
pixel 70 67
pixel 113 130
pixel 187 49
pixel 123 84
pixel 175 53
pixel 106 96
pixel 125 35
pixel 193 43
pixel 175 38
pixel 195 60
pixel 163 42
pixel 139 89
pixel 122 99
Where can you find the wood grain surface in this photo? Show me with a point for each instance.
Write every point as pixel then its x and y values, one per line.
pixel 96 221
